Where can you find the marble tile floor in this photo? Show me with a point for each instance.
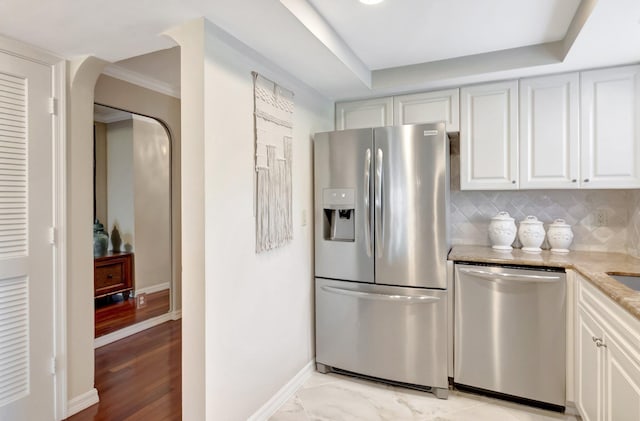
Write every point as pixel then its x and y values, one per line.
pixel 334 397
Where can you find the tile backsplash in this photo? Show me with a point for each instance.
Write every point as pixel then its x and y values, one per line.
pixel 599 218
pixel 602 220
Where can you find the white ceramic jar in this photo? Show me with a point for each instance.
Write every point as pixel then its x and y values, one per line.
pixel 531 234
pixel 502 231
pixel 560 236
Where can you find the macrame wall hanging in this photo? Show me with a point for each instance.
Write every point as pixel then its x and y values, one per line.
pixel 273 111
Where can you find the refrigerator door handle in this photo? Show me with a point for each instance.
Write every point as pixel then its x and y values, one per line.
pixel 367 204
pixel 504 276
pixel 382 297
pixel 378 202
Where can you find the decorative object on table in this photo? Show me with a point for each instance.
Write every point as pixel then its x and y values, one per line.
pixel 273 111
pixel 560 236
pixel 100 239
pixel 116 240
pixel 502 231
pixel 531 234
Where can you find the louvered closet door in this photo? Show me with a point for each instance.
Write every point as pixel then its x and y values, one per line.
pixel 26 257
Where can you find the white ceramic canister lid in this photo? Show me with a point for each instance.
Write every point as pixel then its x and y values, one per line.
pixel 502 216
pixel 559 223
pixel 530 220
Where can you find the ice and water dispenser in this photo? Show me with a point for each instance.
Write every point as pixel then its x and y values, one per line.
pixel 339 214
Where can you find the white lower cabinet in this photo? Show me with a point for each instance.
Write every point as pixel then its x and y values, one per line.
pixel 607 358
pixel 622 383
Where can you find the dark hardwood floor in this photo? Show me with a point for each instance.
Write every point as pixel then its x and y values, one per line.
pixel 114 313
pixel 139 377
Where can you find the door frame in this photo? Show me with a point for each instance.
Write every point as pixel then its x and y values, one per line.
pixel 58 235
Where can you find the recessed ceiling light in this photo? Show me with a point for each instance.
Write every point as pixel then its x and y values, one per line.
pixel 370 1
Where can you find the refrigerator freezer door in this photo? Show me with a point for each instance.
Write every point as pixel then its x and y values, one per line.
pixel 411 181
pixel 392 333
pixel 343 196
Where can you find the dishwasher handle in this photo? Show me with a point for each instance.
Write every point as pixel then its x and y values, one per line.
pixel 382 297
pixel 506 276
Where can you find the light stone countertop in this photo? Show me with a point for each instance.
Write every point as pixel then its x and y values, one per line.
pixel 592 265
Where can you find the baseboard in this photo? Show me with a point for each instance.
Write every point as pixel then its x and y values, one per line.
pixel 283 395
pixel 152 288
pixel 570 409
pixel 131 330
pixel 176 315
pixel 82 402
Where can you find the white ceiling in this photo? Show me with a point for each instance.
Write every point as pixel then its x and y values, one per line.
pixel 344 49
pixel 401 32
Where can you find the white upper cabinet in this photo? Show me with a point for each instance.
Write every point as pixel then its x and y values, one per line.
pixel 610 114
pixel 550 132
pixel 367 113
pixel 489 136
pixel 428 107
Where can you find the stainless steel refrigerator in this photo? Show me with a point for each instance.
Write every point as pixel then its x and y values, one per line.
pixel 381 244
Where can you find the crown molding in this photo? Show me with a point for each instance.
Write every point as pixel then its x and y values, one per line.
pixel 139 79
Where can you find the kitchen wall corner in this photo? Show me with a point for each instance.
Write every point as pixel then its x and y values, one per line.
pixel 633 235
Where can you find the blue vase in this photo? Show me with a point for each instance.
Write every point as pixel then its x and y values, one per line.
pixel 100 239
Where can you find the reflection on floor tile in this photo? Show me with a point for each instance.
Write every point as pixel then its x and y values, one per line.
pixel 332 397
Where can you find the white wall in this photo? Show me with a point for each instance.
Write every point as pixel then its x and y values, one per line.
pixel 82 74
pixel 101 171
pixel 120 182
pixel 151 203
pixel 257 309
pixel 633 245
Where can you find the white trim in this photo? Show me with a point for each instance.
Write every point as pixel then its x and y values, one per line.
pixel 176 315
pixel 131 330
pixel 29 52
pixel 324 32
pixel 60 250
pixel 82 402
pixel 570 409
pixel 284 394
pixel 140 79
pixel 153 288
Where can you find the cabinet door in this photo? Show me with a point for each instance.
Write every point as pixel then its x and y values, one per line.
pixel 362 114
pixel 489 137
pixel 610 113
pixel 549 132
pixel 622 383
pixel 428 107
pixel 589 368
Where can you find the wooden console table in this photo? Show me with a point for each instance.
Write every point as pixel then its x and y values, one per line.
pixel 112 274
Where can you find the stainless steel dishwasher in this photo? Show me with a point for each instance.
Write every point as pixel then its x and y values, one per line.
pixel 510 332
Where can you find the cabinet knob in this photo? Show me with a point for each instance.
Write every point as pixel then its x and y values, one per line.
pixel 586 180
pixel 599 342
pixel 109 276
pixel 574 181
pixel 513 181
